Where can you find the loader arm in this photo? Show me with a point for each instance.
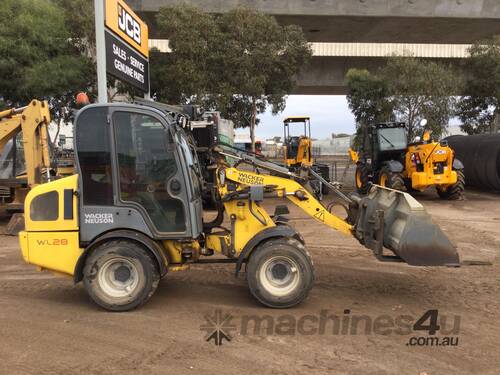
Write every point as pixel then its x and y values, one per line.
pixel 32 120
pixel 385 218
pixel 294 192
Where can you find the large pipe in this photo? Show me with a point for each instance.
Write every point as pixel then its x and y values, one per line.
pixel 480 155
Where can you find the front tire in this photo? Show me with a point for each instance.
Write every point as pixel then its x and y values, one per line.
pixel 391 180
pixel 455 191
pixel 280 273
pixel 120 275
pixel 361 178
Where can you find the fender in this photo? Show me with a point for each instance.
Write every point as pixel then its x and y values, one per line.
pixel 394 166
pixel 144 240
pixel 280 230
pixel 457 164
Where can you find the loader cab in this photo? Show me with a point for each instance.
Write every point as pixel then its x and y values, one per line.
pixel 136 171
pixel 386 141
pixel 297 141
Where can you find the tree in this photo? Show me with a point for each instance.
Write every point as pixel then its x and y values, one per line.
pixel 238 63
pixel 479 110
pixel 37 58
pixel 368 97
pixel 407 89
pixel 261 61
pixel 190 71
pixel 420 89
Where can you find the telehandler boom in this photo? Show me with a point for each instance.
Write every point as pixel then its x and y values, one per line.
pixel 133 212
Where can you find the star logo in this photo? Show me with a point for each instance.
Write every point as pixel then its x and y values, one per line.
pixel 218 327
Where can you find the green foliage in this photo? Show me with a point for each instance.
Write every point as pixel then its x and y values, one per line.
pixel 421 89
pixel 36 57
pixel 368 97
pixel 407 89
pixel 239 63
pixel 42 53
pixel 479 110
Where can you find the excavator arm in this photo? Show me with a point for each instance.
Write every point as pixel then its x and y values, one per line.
pixel 32 120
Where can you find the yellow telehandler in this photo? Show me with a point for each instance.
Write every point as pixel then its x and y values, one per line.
pixel 133 213
pixel 386 158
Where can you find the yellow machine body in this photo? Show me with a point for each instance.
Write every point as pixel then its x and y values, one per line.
pixel 32 120
pixel 425 165
pixel 298 152
pixel 435 166
pixel 51 244
pixel 62 235
pixel 54 244
pixel 32 123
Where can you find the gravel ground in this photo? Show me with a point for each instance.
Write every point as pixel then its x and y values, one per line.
pixel 49 326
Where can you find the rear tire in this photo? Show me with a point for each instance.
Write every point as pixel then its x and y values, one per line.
pixel 361 179
pixel 120 275
pixel 391 180
pixel 280 273
pixel 455 191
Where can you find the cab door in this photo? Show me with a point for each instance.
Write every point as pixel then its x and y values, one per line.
pixel 149 174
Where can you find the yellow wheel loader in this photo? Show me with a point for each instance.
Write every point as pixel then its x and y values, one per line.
pixel 385 158
pixel 133 213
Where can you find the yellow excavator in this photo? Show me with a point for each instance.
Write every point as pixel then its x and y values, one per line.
pixel 24 146
pixel 133 213
pixel 298 153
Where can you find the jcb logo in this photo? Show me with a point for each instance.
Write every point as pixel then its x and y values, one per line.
pixel 54 242
pixel 129 25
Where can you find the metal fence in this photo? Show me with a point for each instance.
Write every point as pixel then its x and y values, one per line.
pixel 341 170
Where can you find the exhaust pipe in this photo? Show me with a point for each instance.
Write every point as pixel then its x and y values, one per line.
pixel 397 221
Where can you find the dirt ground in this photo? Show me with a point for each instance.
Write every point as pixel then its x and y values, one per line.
pixel 49 326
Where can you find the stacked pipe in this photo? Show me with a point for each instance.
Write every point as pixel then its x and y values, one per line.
pixel 480 155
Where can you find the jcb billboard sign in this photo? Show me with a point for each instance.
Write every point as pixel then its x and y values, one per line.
pixel 127 25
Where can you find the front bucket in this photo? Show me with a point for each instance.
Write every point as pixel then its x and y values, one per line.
pixel 395 220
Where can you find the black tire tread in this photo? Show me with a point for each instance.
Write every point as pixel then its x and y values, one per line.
pixel 262 248
pixel 118 243
pixel 394 180
pixel 364 176
pixel 455 191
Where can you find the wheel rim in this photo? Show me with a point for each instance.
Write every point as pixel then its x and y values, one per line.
pixel 280 275
pixel 383 180
pixel 118 277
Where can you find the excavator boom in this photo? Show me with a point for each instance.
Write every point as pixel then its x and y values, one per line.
pixel 32 121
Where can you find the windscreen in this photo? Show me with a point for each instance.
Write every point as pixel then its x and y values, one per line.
pixel 392 139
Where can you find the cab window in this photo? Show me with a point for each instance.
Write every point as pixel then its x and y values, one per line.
pixel 147 168
pixel 92 134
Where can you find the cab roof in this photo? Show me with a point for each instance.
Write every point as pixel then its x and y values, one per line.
pixel 296 119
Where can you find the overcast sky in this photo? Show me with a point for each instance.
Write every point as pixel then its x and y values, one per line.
pixel 329 114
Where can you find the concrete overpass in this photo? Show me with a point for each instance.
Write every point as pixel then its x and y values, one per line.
pixel 362 26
